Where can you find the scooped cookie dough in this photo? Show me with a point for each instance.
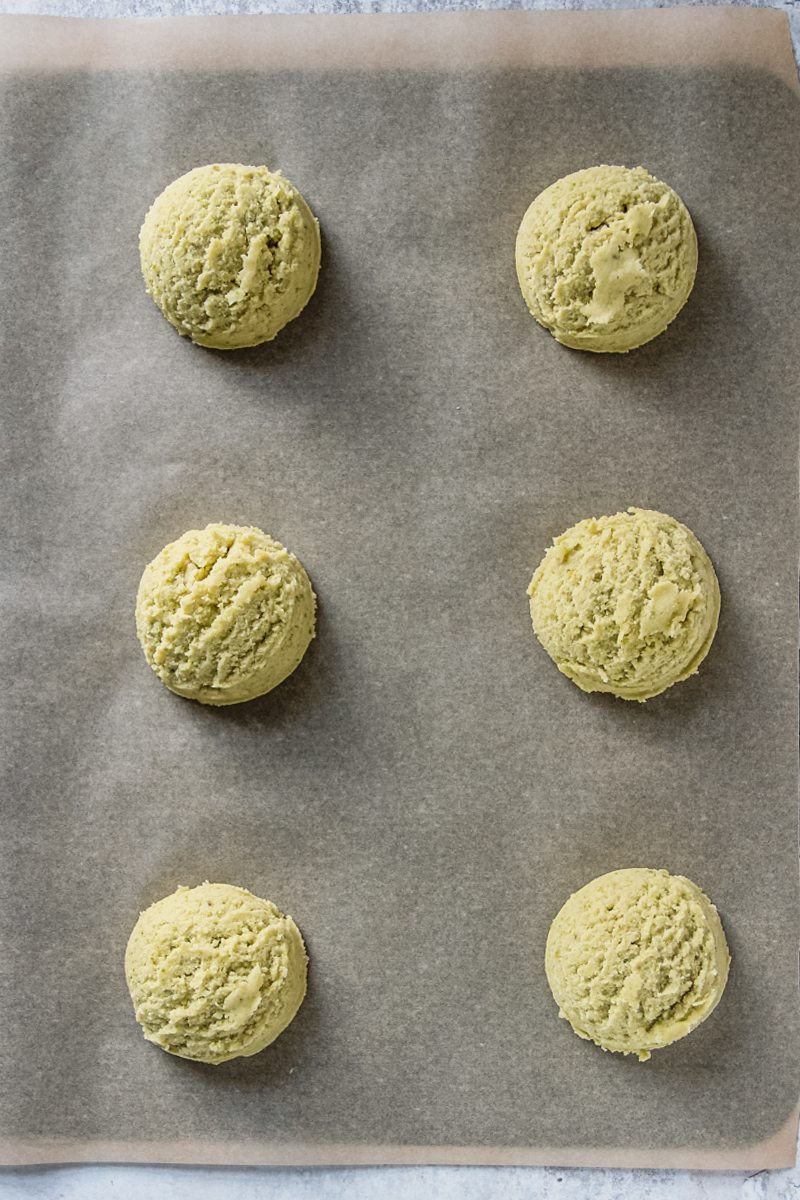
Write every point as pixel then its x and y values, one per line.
pixel 606 258
pixel 637 959
pixel 230 254
pixel 627 604
pixel 224 614
pixel 214 972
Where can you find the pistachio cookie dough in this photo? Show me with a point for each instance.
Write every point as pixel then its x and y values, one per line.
pixel 214 972
pixel 230 254
pixel 224 614
pixel 627 604
pixel 606 258
pixel 637 959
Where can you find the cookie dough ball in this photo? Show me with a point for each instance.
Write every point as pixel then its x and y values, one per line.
pixel 214 972
pixel 230 254
pixel 224 614
pixel 627 604
pixel 637 959
pixel 606 258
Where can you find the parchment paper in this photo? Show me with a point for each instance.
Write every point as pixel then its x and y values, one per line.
pixel 426 790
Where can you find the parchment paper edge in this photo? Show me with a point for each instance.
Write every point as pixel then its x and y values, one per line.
pixel 703 35
pixel 774 1152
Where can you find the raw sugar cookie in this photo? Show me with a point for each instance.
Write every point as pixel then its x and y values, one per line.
pixel 626 604
pixel 230 254
pixel 214 972
pixel 606 258
pixel 637 959
pixel 224 614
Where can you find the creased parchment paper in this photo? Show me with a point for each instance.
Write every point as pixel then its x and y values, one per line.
pixel 426 790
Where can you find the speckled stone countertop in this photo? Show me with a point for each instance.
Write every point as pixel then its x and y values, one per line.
pixel 376 1183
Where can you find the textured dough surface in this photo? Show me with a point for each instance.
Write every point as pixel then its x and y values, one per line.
pixel 214 972
pixel 224 614
pixel 637 959
pixel 627 604
pixel 606 258
pixel 230 254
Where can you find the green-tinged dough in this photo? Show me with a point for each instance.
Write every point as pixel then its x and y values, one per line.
pixel 230 254
pixel 606 258
pixel 637 959
pixel 627 604
pixel 214 972
pixel 224 614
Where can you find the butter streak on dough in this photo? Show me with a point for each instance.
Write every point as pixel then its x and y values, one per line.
pixel 230 254
pixel 606 258
pixel 636 960
pixel 214 972
pixel 627 604
pixel 224 614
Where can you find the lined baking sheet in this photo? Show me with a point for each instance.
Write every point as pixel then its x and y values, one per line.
pixel 426 790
